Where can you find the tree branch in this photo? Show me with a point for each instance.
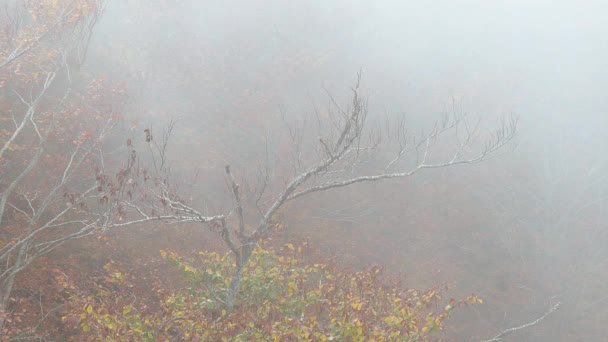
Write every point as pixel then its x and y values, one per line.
pixel 523 326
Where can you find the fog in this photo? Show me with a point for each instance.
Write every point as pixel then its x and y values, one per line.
pixel 524 229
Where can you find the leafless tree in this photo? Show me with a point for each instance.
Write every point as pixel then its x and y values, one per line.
pixel 344 146
pixel 42 207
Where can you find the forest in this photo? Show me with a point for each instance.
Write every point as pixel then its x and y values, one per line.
pixel 266 170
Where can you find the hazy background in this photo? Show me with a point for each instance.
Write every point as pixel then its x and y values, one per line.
pixel 523 230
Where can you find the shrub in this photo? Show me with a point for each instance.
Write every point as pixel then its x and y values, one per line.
pixel 281 298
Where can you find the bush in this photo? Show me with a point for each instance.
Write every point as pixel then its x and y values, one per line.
pixel 282 298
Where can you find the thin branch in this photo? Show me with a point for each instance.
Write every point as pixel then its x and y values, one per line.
pixel 524 326
pixel 31 111
pixel 21 50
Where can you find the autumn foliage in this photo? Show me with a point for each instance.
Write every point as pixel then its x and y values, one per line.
pixel 283 297
pixel 53 122
pixel 57 185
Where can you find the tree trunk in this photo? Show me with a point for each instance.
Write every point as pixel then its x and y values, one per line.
pixel 235 283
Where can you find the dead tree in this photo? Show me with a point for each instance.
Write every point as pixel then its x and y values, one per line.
pixel 343 145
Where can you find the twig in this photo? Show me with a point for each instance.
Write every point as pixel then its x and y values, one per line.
pixel 524 326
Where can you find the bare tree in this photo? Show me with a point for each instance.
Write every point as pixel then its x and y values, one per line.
pixel 43 200
pixel 339 157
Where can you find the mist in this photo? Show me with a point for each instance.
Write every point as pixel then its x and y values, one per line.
pixel 524 229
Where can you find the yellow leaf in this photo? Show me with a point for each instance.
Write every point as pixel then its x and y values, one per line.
pixel 290 246
pixel 357 306
pixel 392 320
pixel 292 287
pixel 89 309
